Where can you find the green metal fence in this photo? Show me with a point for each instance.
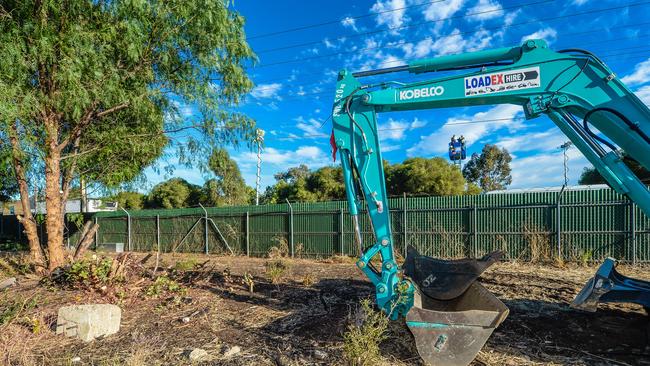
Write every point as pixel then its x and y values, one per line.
pixel 582 225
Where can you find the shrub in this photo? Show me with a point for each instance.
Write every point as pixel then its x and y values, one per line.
pixel 164 285
pixel 280 250
pixel 249 281
pixel 86 273
pixel 365 333
pixel 308 280
pixel 186 265
pixel 276 270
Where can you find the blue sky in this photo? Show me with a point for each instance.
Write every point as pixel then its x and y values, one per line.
pixel 296 74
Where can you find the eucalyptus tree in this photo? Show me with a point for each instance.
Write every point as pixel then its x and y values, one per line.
pixel 95 87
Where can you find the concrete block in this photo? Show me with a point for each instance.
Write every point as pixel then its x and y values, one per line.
pixel 88 322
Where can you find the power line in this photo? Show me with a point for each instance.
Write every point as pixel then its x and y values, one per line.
pixel 562 34
pixel 464 33
pixel 329 22
pixel 413 25
pixel 604 56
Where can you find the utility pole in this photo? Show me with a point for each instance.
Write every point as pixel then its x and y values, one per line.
pixel 259 139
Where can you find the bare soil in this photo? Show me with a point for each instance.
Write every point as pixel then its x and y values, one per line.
pixel 301 319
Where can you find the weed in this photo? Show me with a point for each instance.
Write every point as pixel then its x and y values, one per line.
pixel 163 285
pixel 248 280
pixel 186 265
pixel 366 331
pixel 538 245
pixel 276 270
pixel 586 257
pixel 15 308
pixel 308 280
pixel 281 249
pixel 94 272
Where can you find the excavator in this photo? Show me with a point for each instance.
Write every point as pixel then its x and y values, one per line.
pixel 450 314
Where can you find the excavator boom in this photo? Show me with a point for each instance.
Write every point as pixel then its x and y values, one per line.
pixel 450 314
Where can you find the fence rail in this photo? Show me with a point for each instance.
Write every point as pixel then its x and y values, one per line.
pixel 579 225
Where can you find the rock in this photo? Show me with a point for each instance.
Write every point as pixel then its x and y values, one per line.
pixel 75 359
pixel 9 282
pixel 88 322
pixel 321 355
pixel 231 351
pixel 186 319
pixel 198 354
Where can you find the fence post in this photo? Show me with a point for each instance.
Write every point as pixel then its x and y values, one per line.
pixel 633 229
pixel 290 226
pixel 341 237
pixel 404 225
pixel 96 235
pixel 475 226
pixel 248 239
pixel 158 232
pixel 128 228
pixel 205 228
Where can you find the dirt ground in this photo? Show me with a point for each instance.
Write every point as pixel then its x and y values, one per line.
pixel 301 319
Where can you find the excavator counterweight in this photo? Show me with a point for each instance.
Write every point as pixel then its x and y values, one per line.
pixel 450 314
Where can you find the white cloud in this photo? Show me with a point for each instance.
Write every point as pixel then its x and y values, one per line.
pixel 329 43
pixel 267 91
pixel 580 2
pixel 310 127
pixel 349 22
pixel 392 130
pixel 451 43
pixel 276 160
pixel 436 11
pixel 640 75
pixel 644 94
pixel 484 10
pixel 534 141
pixel 547 170
pixel 390 12
pixel 396 129
pixel 471 127
pixel 548 34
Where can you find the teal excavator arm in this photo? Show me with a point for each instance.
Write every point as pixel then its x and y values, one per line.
pixel 573 87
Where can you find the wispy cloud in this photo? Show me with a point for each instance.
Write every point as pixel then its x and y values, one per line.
pixel 547 169
pixel 390 12
pixel 267 91
pixel 349 22
pixel 484 10
pixel 641 74
pixel 548 34
pixel 472 127
pixel 396 129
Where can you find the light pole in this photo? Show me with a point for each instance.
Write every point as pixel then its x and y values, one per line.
pixel 565 146
pixel 259 139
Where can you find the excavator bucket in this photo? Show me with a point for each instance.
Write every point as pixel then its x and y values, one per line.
pixel 452 315
pixel 608 285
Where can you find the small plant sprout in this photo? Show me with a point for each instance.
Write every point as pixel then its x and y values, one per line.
pixel 249 281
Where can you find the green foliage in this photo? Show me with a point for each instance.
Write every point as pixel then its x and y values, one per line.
pixel 490 170
pixel 592 176
pixel 364 335
pixel 8 183
pixel 186 265
pixel 129 200
pixel 14 308
pixel 173 193
pixel 95 87
pixel 229 188
pixel 88 272
pixel 77 219
pixel 276 270
pixel 472 189
pixel 164 285
pixel 434 176
pixel 301 184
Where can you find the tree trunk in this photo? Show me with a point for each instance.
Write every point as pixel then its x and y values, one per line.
pixel 27 219
pixel 53 199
